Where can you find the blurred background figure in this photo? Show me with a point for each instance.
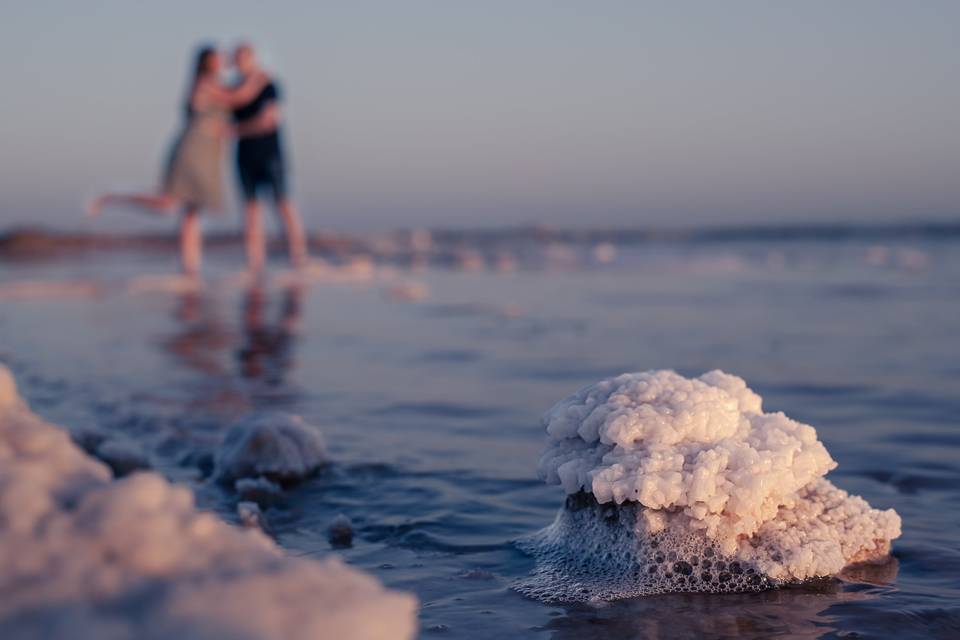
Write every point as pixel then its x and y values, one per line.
pixel 193 177
pixel 260 163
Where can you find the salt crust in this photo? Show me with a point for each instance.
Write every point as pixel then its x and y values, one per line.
pixel 694 464
pixel 278 446
pixel 84 556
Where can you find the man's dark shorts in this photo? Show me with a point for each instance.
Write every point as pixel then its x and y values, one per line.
pixel 260 158
pixel 262 171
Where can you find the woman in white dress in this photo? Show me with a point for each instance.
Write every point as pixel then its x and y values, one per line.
pixel 193 176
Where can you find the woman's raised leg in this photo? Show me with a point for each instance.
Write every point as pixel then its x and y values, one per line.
pixel 158 204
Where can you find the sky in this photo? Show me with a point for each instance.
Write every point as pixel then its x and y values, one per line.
pixel 448 113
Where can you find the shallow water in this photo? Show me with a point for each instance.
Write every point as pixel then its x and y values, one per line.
pixel 431 408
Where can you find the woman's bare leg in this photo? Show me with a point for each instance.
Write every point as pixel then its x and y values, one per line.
pixel 296 237
pixel 161 204
pixel 191 242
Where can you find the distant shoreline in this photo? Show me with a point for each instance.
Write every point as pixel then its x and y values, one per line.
pixel 29 243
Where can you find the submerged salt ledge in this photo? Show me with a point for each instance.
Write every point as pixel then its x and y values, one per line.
pixel 691 467
pixel 83 556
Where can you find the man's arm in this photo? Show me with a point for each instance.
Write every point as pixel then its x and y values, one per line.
pixel 267 120
pixel 239 95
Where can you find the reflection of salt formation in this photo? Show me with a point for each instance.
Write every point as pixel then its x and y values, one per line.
pixel 277 446
pixel 82 556
pixel 686 485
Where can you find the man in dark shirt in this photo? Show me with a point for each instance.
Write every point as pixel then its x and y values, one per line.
pixel 260 164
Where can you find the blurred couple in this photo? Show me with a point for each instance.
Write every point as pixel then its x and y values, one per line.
pixel 248 110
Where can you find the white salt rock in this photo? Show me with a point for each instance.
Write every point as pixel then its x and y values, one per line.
pixel 259 490
pixel 604 253
pixel 697 466
pixel 250 515
pixel 912 259
pixel 278 446
pixel 877 255
pixel 468 259
pixel 134 558
pixel 9 398
pixel 340 533
pixel 165 284
pixel 408 291
pixel 420 240
pixel 505 262
pixel 122 456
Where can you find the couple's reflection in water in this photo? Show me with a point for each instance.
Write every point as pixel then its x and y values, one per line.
pixel 267 351
pixel 249 352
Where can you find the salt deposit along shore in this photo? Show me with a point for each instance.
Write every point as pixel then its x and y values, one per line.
pixel 85 556
pixel 679 484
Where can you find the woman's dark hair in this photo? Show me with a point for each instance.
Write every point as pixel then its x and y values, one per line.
pixel 205 53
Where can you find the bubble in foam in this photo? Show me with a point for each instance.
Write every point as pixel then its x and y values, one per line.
pixel 687 485
pixel 607 552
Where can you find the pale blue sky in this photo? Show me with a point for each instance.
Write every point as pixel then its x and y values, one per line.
pixel 448 113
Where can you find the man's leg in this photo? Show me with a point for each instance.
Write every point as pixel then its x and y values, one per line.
pixel 287 210
pixel 296 238
pixel 253 236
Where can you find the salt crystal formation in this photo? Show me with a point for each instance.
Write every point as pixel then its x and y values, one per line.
pixel 687 485
pixel 277 446
pixel 84 556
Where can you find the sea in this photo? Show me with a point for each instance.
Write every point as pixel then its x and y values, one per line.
pixel 428 376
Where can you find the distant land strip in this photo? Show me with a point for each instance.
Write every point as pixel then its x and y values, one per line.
pixel 32 243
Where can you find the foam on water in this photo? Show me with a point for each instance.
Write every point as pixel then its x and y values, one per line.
pixel 84 556
pixel 660 465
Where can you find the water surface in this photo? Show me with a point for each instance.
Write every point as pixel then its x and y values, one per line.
pixel 431 409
